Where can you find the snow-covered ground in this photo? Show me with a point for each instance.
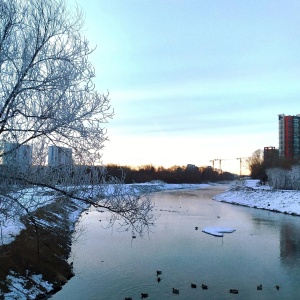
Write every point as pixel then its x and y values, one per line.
pixel 31 199
pixel 251 193
pixel 18 284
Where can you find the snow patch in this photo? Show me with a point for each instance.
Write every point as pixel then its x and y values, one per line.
pixel 250 193
pixel 19 291
pixel 9 230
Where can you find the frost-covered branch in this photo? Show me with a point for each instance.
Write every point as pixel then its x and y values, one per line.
pixel 286 179
pixel 47 97
pixel 129 205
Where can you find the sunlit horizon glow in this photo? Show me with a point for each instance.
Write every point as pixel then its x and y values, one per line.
pixel 191 81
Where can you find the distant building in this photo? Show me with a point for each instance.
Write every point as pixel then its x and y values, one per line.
pixel 289 136
pixel 59 156
pixel 271 156
pixel 191 167
pixel 17 155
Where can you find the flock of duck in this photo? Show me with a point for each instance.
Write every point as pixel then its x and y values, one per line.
pixel 194 286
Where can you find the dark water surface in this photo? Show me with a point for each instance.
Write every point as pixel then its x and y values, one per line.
pixel 264 249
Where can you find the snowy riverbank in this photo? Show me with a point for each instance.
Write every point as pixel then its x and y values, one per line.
pixel 34 264
pixel 250 193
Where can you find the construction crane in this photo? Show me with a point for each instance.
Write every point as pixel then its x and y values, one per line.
pixel 221 159
pixel 220 163
pixel 240 159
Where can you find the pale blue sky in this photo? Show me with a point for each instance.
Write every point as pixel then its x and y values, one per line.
pixel 191 81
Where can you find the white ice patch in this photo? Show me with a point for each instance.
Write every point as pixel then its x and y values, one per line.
pixel 217 231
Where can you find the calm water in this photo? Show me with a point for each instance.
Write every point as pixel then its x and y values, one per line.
pixel 264 249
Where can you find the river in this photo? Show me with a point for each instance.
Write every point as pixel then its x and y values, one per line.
pixel 264 249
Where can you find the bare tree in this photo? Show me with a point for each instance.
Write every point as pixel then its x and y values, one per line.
pixel 256 165
pixel 47 97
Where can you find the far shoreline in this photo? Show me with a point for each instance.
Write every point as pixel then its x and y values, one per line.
pixel 249 193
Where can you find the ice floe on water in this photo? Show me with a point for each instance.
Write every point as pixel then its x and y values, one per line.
pixel 217 231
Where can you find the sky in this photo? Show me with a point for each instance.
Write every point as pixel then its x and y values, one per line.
pixel 191 81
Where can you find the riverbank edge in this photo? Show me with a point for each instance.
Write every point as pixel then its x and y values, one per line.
pixel 35 265
pixel 262 208
pixel 278 201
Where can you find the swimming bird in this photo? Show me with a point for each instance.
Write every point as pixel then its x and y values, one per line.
pixel 143 295
pixel 204 286
pixel 128 298
pixel 259 287
pixel 193 286
pixel 277 287
pixel 158 273
pixel 233 291
pixel 175 291
pixel 158 279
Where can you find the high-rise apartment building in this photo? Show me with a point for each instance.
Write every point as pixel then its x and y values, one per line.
pixel 59 156
pixel 289 136
pixel 17 155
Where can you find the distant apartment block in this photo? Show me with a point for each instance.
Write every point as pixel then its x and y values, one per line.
pixel 17 155
pixel 271 155
pixel 59 156
pixel 289 136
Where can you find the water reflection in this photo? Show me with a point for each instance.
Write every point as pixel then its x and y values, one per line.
pixel 290 244
pixel 259 221
pixel 289 230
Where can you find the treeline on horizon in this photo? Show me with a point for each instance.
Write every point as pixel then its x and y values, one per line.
pixel 174 174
